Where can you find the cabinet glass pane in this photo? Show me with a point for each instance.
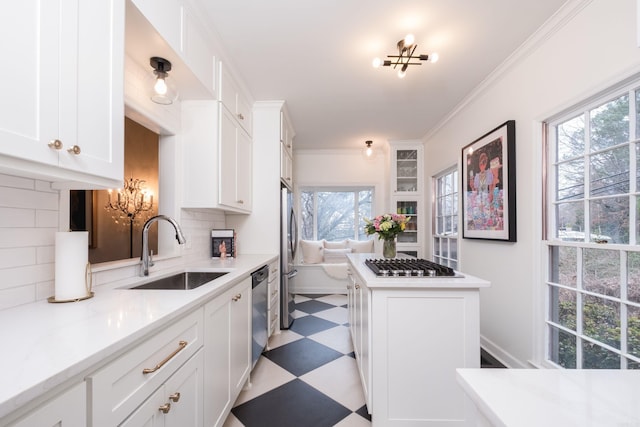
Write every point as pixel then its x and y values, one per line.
pixel 407 170
pixel 410 209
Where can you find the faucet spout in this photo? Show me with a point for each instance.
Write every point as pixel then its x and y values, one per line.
pixel 145 257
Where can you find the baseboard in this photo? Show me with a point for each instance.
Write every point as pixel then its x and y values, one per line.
pixel 318 290
pixel 501 355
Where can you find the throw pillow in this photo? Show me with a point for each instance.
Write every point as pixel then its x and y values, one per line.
pixel 339 244
pixel 335 256
pixel 311 251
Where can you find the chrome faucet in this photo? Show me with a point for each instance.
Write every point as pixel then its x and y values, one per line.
pixel 145 259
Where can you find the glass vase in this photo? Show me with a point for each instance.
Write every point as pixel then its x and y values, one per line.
pixel 389 248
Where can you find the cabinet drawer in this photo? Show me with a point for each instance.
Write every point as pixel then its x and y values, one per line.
pixel 119 388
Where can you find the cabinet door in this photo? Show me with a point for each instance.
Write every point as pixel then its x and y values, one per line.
pixel 244 170
pixel 227 163
pixel 92 92
pixel 240 344
pixel 148 414
pixel 235 164
pixel 69 409
pixel 183 391
pixel 31 54
pixel 217 391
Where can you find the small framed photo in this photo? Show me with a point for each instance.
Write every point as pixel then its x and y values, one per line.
pixel 223 241
pixel 489 185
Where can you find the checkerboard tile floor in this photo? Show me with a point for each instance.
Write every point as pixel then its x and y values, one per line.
pixel 307 377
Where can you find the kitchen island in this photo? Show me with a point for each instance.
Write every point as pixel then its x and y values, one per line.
pixel 553 397
pixel 410 334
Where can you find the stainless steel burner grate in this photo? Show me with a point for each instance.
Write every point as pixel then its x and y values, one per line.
pixel 408 267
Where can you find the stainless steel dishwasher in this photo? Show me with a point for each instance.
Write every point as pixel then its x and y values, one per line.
pixel 259 313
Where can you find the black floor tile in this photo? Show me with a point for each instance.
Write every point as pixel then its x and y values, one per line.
pixel 313 306
pixel 294 404
pixel 309 325
pixel 363 412
pixel 302 356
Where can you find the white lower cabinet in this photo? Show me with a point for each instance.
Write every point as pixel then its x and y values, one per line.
pixel 408 342
pixel 227 325
pixel 66 410
pixel 359 316
pixel 273 289
pixel 150 373
pixel 177 403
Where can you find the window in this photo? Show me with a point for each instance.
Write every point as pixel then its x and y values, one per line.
pixel 445 218
pixel 593 285
pixel 335 213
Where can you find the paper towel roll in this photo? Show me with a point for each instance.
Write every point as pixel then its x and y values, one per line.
pixel 72 253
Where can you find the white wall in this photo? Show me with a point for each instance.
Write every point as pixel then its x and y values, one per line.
pixel 589 46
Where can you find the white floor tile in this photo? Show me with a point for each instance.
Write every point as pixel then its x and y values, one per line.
pixel 335 299
pixel 353 420
pixel 297 298
pixel 284 337
pixel 232 421
pixel 337 338
pixel 338 315
pixel 265 377
pixel 298 314
pixel 340 381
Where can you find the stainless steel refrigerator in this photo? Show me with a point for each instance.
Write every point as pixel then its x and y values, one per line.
pixel 288 246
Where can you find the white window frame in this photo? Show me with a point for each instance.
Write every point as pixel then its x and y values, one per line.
pixel 447 238
pixel 316 189
pixel 551 242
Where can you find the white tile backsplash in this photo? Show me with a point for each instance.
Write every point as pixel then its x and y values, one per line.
pixel 29 218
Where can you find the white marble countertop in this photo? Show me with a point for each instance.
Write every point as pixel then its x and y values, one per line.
pixel 463 280
pixel 45 344
pixel 554 397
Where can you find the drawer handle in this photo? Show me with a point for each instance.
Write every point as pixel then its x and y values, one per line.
pixel 240 116
pixel 55 144
pixel 237 297
pixel 74 150
pixel 175 397
pixel 357 286
pixel 165 408
pixel 240 201
pixel 181 346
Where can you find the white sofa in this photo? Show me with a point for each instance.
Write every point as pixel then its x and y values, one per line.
pixel 323 268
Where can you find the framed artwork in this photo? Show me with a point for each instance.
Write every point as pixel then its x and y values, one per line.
pixel 489 185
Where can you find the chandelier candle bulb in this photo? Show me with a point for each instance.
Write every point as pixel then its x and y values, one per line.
pixel 71 259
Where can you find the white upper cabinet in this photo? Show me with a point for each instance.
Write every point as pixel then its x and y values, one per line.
pixel 62 116
pixel 234 100
pixel 178 26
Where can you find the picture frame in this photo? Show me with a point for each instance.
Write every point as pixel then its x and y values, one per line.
pixel 489 185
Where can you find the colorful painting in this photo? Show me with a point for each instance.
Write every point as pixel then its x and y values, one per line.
pixel 488 182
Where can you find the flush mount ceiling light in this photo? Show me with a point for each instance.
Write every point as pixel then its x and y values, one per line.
pixel 406 56
pixel 164 91
pixel 368 153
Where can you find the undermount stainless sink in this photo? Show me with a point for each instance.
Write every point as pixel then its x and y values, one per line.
pixel 183 281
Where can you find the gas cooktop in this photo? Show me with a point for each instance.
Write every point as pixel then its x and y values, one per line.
pixel 409 267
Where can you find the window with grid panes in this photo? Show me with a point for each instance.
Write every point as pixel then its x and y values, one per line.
pixel 593 285
pixel 445 218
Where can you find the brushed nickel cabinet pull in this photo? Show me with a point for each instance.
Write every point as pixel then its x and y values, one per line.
pixel 175 396
pixel 240 116
pixel 237 297
pixel 240 201
pixel 55 144
pixel 165 408
pixel 181 346
pixel 74 150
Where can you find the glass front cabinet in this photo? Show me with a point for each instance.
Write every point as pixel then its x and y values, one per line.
pixel 407 185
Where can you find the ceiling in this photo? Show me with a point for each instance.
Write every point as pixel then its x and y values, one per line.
pixel 317 56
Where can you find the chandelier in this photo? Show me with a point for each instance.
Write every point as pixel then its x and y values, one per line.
pixel 130 202
pixel 406 56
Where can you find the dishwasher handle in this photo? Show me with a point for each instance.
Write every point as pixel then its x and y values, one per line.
pixel 260 276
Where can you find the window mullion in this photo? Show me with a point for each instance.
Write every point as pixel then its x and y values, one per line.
pixel 579 305
pixel 624 324
pixel 587 180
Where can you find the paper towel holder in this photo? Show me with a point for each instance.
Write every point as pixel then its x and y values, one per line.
pixel 89 284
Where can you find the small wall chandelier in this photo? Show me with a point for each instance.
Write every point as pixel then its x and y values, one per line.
pixel 406 56
pixel 164 91
pixel 130 201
